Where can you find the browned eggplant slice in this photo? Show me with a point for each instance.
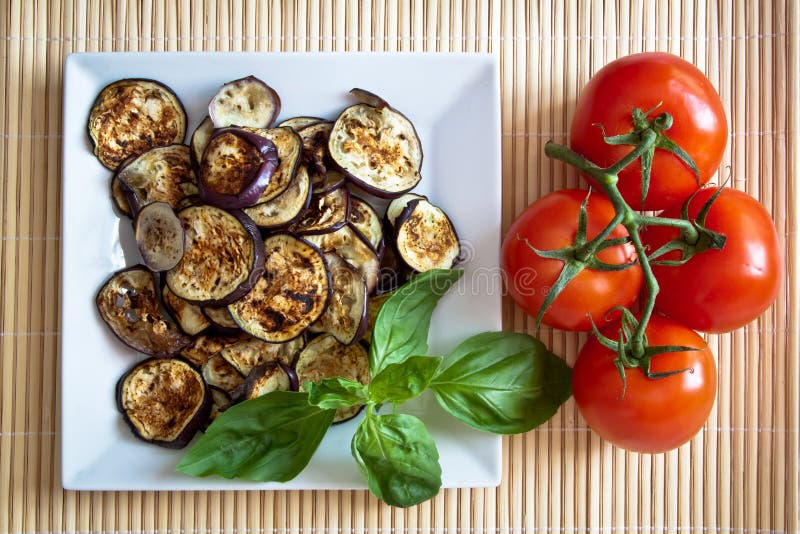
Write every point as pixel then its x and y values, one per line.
pixel 223 259
pixel 250 353
pixel 366 221
pixel 164 401
pixel 162 174
pixel 203 347
pixel 244 102
pixel 188 316
pixel 378 148
pixel 374 305
pixel 426 238
pixel 130 306
pixel 220 400
pixel 119 196
pixel 236 168
pixel 287 207
pixel 219 373
pixel 221 318
pixel 330 180
pixel 289 146
pixel 325 357
pixel 296 123
pixel 200 138
pixel 397 206
pixel 326 213
pixel 315 149
pixel 263 379
pixel 159 236
pixel 352 247
pixel 346 315
pixel 131 116
pixel 291 294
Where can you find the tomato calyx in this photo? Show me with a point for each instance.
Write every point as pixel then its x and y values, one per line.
pixel 650 132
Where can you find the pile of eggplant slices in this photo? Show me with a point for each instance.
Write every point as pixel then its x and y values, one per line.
pixel 262 268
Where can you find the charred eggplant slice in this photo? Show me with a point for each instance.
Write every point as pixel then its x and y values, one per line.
pixel 397 206
pixel 378 148
pixel 366 221
pixel 346 315
pixel 189 316
pixel 291 294
pixel 164 401
pixel 221 318
pixel 200 138
pixel 289 146
pixel 297 123
pixel 119 196
pixel 263 379
pixel 219 373
pixel 426 238
pixel 162 174
pixel 325 357
pixel 348 244
pixel 287 207
pixel 315 149
pixel 130 306
pixel 330 180
pixel 326 213
pixel 223 259
pixel 236 168
pixel 244 102
pixel 129 117
pixel 248 354
pixel 159 236
pixel 203 347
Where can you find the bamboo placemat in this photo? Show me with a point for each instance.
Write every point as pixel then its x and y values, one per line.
pixel 740 474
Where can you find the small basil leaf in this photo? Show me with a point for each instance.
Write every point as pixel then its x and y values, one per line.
pixel 502 382
pixel 269 438
pixel 336 392
pixel 401 328
pixel 399 382
pixel 398 458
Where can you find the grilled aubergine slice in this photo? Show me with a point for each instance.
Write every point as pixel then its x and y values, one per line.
pixel 200 137
pixel 290 295
pixel 219 373
pixel 119 197
pixel 263 379
pixel 396 207
pixel 220 317
pixel 205 346
pixel 290 148
pixel 129 117
pixel 332 179
pixel 425 237
pixel 164 401
pixel 236 168
pixel 245 102
pixel 188 316
pixel 325 357
pixel 326 213
pixel 287 207
pixel 365 220
pixel 351 246
pixel 377 147
pixel 223 259
pixel 248 354
pixel 296 123
pixel 315 149
pixel 162 174
pixel 159 236
pixel 346 315
pixel 129 304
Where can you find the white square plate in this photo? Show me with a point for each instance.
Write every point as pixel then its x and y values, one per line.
pixel 453 100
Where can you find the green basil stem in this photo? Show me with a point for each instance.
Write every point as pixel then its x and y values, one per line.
pixel 633 221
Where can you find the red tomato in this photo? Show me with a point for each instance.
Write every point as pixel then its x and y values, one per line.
pixel 721 290
pixel 642 81
pixel 655 414
pixel 551 223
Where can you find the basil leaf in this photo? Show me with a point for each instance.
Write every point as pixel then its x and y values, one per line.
pixel 401 328
pixel 399 382
pixel 502 382
pixel 269 438
pixel 398 458
pixel 336 392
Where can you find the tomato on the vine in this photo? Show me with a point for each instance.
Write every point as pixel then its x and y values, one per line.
pixel 720 290
pixel 551 223
pixel 644 81
pixel 654 414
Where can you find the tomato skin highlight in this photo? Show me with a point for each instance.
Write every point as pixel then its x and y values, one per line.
pixel 721 290
pixel 642 81
pixel 655 415
pixel 551 223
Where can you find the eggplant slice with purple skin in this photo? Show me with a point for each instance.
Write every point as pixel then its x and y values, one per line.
pixel 129 304
pixel 290 148
pixel 200 137
pixel 219 373
pixel 263 379
pixel 159 236
pixel 220 400
pixel 236 168
pixel 332 179
pixel 365 220
pixel 346 315
pixel 351 246
pixel 188 316
pixel 315 149
pixel 325 357
pixel 224 256
pixel 162 174
pixel 220 317
pixel 119 197
pixel 291 294
pixel 205 346
pixel 131 116
pixel 326 213
pixel 164 401
pixel 396 207
pixel 425 237
pixel 297 123
pixel 378 148
pixel 287 207
pixel 248 354
pixel 244 102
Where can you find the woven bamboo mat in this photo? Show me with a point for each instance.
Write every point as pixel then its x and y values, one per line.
pixel 740 474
